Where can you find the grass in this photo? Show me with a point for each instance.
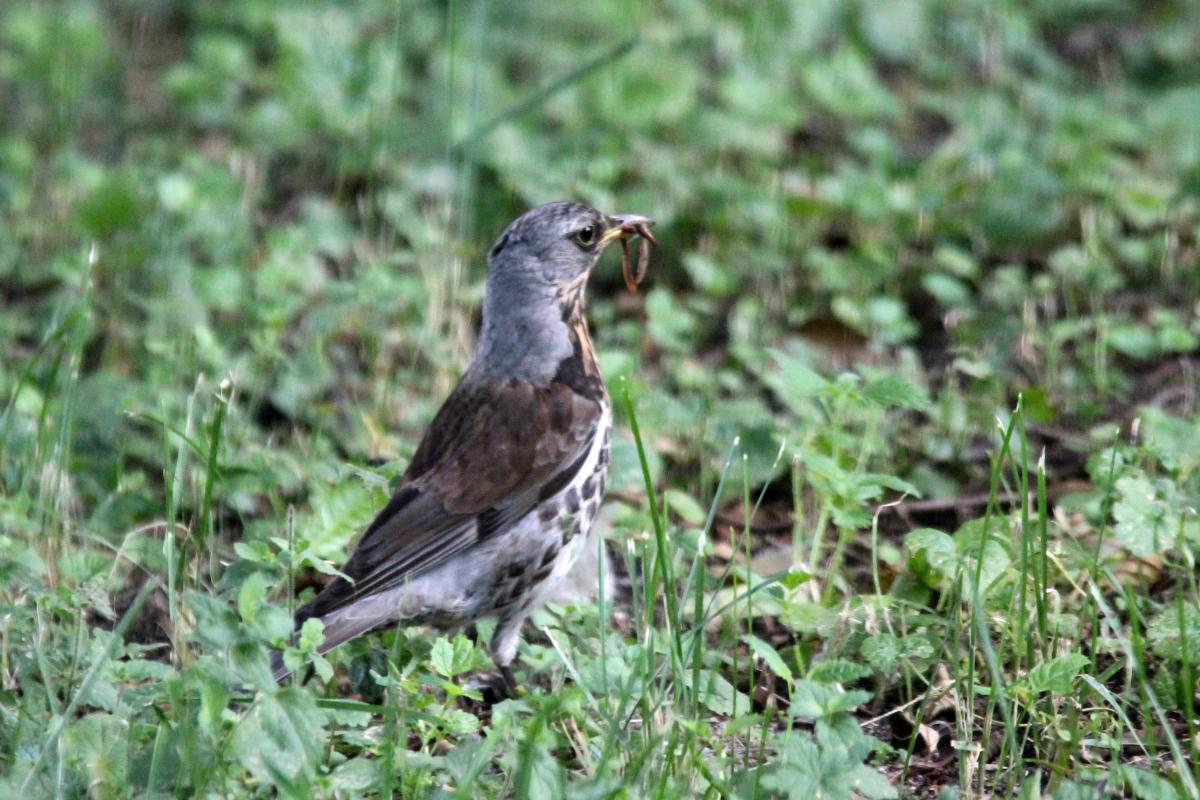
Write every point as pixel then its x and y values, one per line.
pixel 905 470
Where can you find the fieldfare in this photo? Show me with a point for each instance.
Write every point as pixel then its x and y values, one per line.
pixel 499 500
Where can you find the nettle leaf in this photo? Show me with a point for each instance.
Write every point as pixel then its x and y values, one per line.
pixel 881 651
pixel 812 700
pixel 454 658
pixel 804 770
pixel 1146 785
pixel 895 392
pixel 441 657
pixel 281 739
pixel 842 732
pixel 798 769
pixel 1146 524
pixel 312 634
pixel 1175 442
pixel 101 743
pixel 356 777
pixel 838 670
pixel 1166 633
pixel 996 561
pixel 213 702
pixel 1055 676
pixel 1135 341
pixel 794 383
pixel 932 556
pixel 216 624
pixel 769 656
pixel 256 551
pixel 719 695
pixel 996 557
pixel 252 596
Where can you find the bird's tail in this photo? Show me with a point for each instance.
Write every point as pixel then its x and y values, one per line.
pixel 341 626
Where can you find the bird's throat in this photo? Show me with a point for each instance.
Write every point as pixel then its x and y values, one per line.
pixel 580 370
pixel 537 337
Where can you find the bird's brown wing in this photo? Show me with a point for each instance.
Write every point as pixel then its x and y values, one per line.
pixel 490 455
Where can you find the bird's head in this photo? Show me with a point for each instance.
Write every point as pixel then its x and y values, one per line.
pixel 557 244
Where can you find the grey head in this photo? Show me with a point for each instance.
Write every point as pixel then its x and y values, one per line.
pixel 537 275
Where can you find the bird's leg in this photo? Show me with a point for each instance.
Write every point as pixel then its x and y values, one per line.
pixel 510 680
pixel 501 684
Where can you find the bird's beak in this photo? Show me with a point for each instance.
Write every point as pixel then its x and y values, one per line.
pixel 624 225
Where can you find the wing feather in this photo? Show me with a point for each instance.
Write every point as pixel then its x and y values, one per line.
pixel 491 454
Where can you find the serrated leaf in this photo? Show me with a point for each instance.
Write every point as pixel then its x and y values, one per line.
pixel 101 743
pixel 895 392
pixel 803 770
pixel 812 700
pixel 769 656
pixel 1057 675
pixel 882 651
pixel 1166 633
pixel 837 670
pixel 257 551
pixel 281 738
pixel 441 657
pixel 719 695
pixel 312 634
pixel 460 723
pixel 1147 786
pixel 932 556
pixel 252 596
pixel 1145 523
pixel 794 382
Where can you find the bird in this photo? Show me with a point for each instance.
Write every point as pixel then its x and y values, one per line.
pixel 499 499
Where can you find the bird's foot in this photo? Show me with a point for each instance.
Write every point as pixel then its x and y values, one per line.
pixel 495 686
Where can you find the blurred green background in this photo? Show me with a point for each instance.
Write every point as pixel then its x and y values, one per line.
pixel 982 197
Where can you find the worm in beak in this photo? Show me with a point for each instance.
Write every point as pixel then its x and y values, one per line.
pixel 623 227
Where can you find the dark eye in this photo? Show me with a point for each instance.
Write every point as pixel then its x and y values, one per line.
pixel 586 235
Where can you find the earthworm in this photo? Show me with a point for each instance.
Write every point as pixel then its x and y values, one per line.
pixel 633 277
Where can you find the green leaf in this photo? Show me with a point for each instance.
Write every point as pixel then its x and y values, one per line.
pixel 793 382
pixel 252 596
pixel 1056 676
pixel 460 723
pixel 838 670
pixel 281 739
pixel 812 700
pixel 100 743
pixel 1166 633
pixel 1135 341
pixel 804 770
pixel 312 634
pixel 441 657
pixel 895 392
pixel 1146 785
pixel 882 651
pixel 1145 523
pixel 769 656
pixel 932 556
pixel 454 658
pixel 719 695
pixel 685 506
pixel 257 551
pixel 112 206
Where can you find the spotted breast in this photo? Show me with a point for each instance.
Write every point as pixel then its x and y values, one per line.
pixel 562 525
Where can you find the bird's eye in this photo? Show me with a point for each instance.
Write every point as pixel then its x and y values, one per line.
pixel 586 235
